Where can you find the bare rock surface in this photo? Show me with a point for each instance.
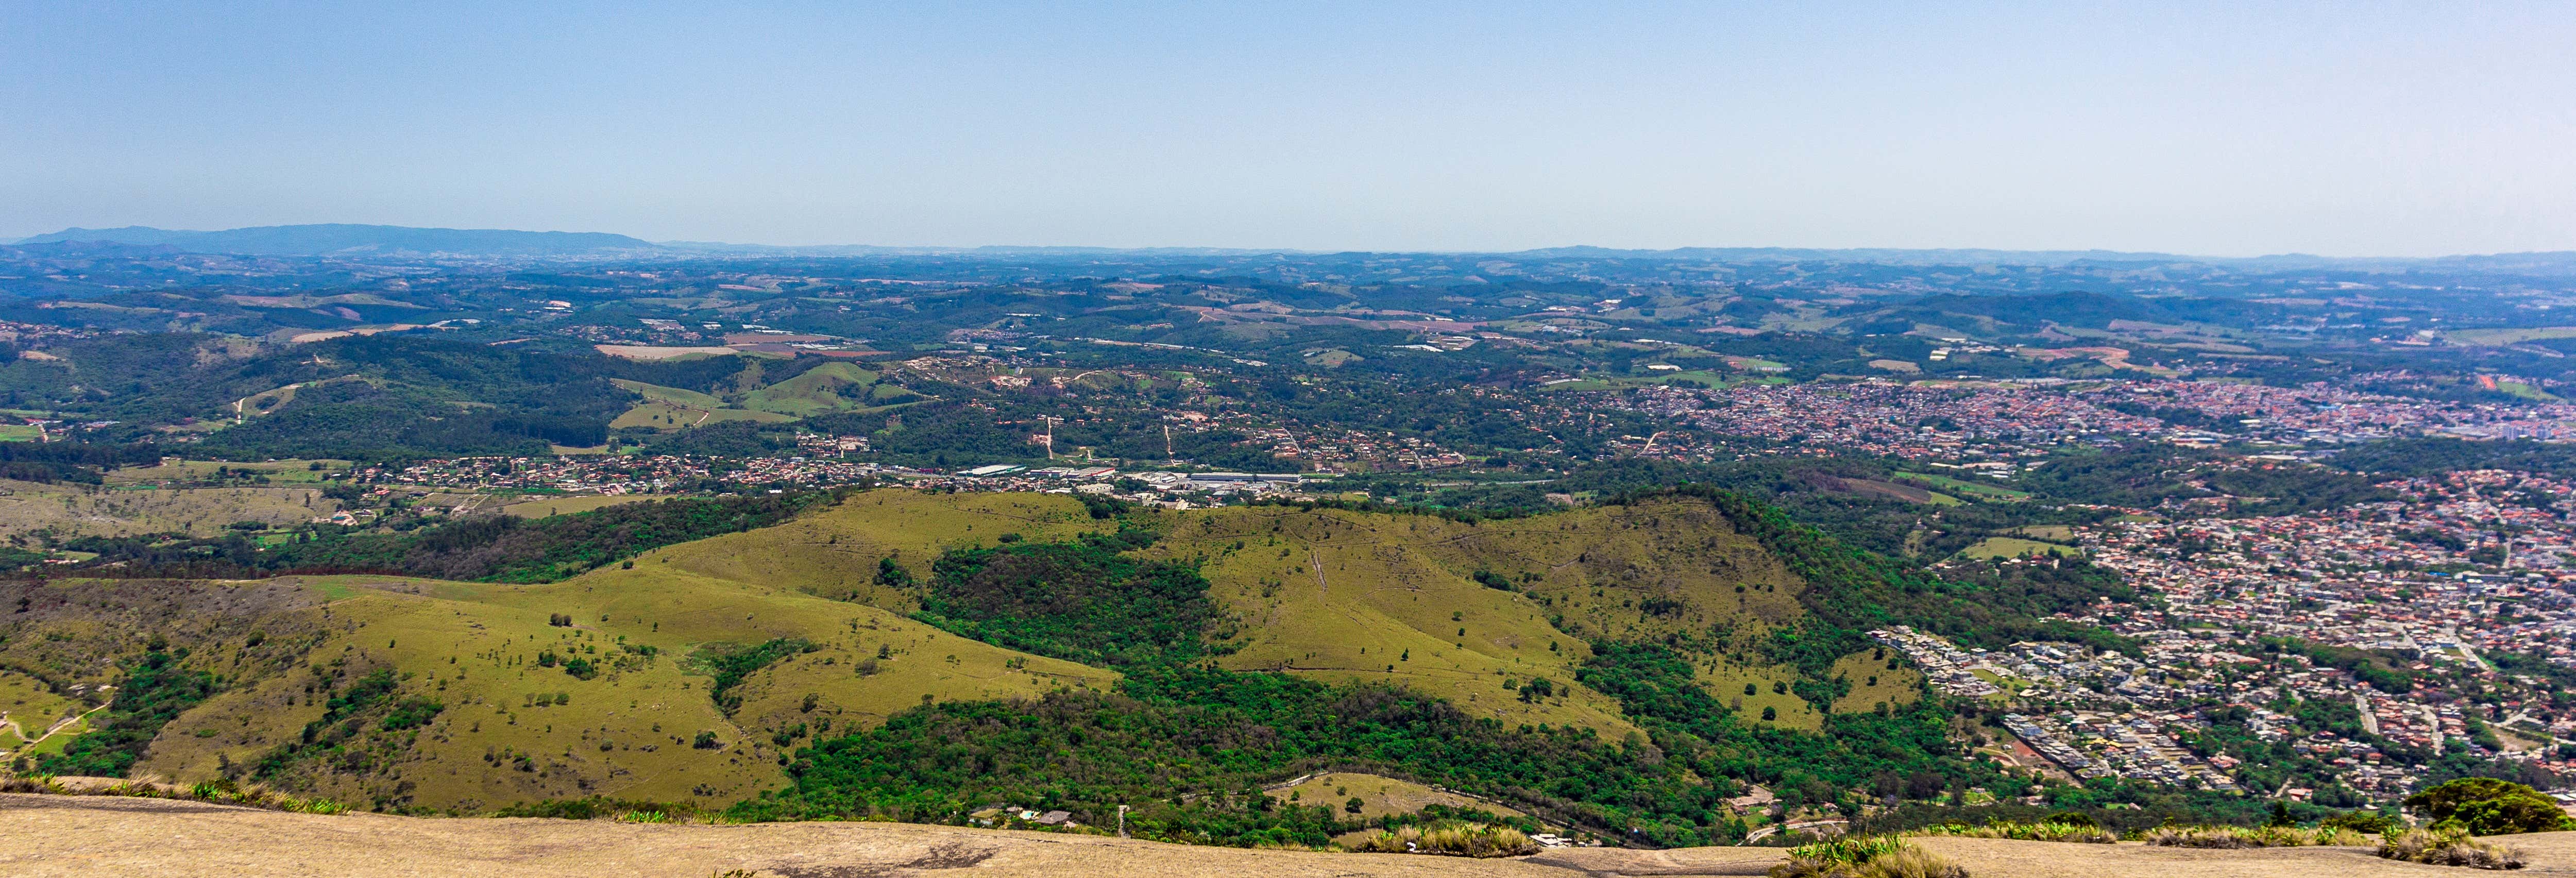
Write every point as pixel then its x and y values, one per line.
pixel 42 835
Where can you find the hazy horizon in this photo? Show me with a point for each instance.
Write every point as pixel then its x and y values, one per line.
pixel 2210 130
pixel 683 242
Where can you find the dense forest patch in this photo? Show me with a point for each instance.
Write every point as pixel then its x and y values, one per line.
pixel 729 663
pixel 1083 601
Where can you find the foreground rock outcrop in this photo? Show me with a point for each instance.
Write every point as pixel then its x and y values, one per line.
pixel 44 835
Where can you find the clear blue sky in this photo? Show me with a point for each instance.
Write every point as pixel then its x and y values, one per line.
pixel 2225 128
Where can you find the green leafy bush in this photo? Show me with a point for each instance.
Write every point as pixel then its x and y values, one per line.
pixel 2485 806
pixel 2361 821
pixel 2041 831
pixel 1869 857
pixel 1456 840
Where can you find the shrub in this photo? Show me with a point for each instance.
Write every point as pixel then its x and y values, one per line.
pixel 1912 862
pixel 2484 806
pixel 411 713
pixel 1873 857
pixel 313 806
pixel 2239 837
pixel 1455 839
pixel 594 808
pixel 2361 821
pixel 2041 831
pixel 2449 849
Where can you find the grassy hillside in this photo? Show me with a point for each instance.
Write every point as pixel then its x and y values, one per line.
pixel 672 395
pixel 829 387
pixel 1343 596
pixel 628 729
pixel 1349 596
pixel 826 388
pixel 70 510
pixel 1588 666
pixel 475 648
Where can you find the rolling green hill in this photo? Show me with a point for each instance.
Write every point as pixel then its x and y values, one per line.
pixel 1531 661
pixel 823 389
pixel 829 387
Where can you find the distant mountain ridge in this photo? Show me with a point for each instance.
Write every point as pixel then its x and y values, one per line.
pixel 328 239
pixel 341 239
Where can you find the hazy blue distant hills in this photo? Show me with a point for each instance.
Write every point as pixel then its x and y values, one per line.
pixel 1881 255
pixel 989 250
pixel 2554 263
pixel 346 240
pixel 331 239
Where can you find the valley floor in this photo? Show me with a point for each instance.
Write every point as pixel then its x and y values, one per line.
pixel 97 835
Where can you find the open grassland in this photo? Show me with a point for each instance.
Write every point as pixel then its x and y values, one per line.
pixel 835 552
pixel 672 395
pixel 2015 547
pixel 1379 795
pixel 1964 488
pixel 1875 680
pixel 1753 688
pixel 1350 596
pixel 1698 377
pixel 650 352
pixel 2526 390
pixel 824 388
pixel 541 506
pixel 829 387
pixel 2508 336
pixel 672 416
pixel 1895 491
pixel 80 510
pixel 278 472
pixel 27 709
pixel 45 743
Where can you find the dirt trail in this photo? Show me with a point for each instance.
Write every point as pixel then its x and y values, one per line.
pixel 59 725
pixel 44 835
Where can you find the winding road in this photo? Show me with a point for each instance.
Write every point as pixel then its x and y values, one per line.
pixel 21 731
